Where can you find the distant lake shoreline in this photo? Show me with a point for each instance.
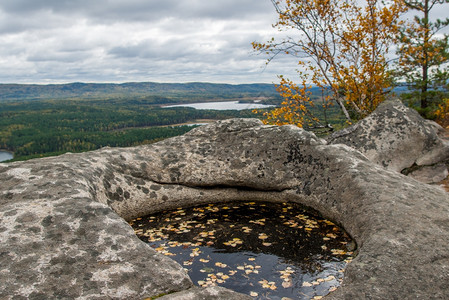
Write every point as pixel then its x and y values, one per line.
pixel 222 105
pixel 6 155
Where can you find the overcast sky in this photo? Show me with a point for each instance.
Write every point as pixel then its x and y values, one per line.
pixel 54 41
pixel 57 41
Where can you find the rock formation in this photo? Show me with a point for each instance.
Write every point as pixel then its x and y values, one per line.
pixel 63 233
pixel 398 138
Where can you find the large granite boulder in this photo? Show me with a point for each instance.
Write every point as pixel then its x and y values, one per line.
pixel 63 233
pixel 398 138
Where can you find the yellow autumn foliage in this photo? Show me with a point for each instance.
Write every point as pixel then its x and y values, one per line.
pixel 342 47
pixel 442 113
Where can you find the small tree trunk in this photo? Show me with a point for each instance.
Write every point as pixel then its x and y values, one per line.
pixel 343 109
pixel 425 66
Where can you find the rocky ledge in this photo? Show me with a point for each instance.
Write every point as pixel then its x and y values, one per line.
pixel 64 235
pixel 396 137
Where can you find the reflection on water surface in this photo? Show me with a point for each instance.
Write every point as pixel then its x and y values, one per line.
pixel 266 250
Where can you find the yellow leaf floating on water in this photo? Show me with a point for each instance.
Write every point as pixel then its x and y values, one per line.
pixel 253 294
pixel 251 259
pixel 266 244
pixel 258 222
pixel 221 265
pixel 246 229
pixel 329 222
pixel 233 243
pixel 338 252
pixel 201 282
pixel 305 283
pixel 204 260
pixel 268 285
pixel 263 236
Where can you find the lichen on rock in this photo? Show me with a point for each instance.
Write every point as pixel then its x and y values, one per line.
pixel 398 138
pixel 64 233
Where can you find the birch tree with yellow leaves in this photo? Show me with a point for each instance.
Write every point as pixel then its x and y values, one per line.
pixel 342 48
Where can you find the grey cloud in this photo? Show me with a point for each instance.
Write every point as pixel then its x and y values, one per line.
pixel 133 40
pixel 68 57
pixel 139 10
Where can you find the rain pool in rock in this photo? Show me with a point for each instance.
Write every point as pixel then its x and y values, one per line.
pixel 266 250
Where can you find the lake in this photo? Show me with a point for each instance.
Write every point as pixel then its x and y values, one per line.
pixel 223 105
pixel 4 155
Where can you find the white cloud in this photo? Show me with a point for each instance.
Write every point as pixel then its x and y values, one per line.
pixel 137 40
pixel 133 40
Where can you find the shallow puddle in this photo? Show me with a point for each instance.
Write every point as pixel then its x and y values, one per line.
pixel 266 250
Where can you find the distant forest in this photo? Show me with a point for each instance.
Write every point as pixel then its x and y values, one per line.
pixel 150 92
pixel 46 120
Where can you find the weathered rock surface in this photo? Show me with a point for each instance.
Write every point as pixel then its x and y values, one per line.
pixel 62 236
pixel 430 174
pixel 209 293
pixel 397 137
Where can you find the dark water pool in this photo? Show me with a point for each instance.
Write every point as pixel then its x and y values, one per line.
pixel 266 250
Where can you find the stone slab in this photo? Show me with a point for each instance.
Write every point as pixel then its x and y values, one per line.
pixel 396 137
pixel 64 235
